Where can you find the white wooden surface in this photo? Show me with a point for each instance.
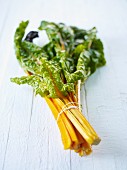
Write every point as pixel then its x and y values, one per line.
pixel 29 137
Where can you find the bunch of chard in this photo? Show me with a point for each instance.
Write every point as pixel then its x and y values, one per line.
pixel 56 71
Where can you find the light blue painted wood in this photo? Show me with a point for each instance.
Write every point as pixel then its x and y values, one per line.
pixel 29 136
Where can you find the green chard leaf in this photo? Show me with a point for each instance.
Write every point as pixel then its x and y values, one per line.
pixel 51 72
pixel 36 82
pixel 72 54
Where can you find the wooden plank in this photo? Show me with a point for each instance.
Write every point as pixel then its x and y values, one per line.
pixel 4 8
pixel 7 92
pixel 36 153
pixel 11 108
pixel 121 162
pixel 104 161
pixel 105 102
pixel 105 111
pixel 14 122
pixel 15 157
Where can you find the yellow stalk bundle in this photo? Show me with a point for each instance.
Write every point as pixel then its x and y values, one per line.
pixel 76 132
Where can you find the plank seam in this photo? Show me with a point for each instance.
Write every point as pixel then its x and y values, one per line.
pixel 31 113
pixel 5 153
pixel 70 161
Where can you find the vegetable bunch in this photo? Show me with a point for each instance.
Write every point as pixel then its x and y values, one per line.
pixel 56 72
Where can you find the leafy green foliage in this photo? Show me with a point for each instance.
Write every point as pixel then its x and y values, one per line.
pixel 36 82
pixel 72 54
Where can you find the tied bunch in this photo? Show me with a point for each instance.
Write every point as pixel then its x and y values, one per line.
pixel 56 72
